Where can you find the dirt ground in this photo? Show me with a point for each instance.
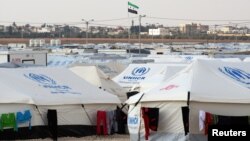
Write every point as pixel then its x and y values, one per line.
pixel 88 138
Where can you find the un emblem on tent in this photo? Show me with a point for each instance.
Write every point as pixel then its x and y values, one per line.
pixel 236 74
pixel 139 71
pixel 48 83
pixel 42 79
pixel 189 58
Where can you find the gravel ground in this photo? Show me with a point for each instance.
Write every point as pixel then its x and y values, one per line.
pixel 89 138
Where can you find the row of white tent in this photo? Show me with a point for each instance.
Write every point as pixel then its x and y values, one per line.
pixel 141 77
pixel 214 86
pixel 82 90
pixel 39 89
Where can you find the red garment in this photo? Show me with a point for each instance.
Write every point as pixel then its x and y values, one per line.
pixel 208 121
pixel 151 118
pixel 146 122
pixel 101 119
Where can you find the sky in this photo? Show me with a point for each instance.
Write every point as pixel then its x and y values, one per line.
pixel 71 11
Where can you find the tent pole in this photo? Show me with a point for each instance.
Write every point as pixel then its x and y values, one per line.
pixel 188 98
pixel 87 114
pixel 40 114
pixel 43 119
pixel 136 103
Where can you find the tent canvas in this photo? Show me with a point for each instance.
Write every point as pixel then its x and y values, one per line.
pixel 96 77
pixel 170 70
pixel 169 97
pixel 206 81
pixel 40 89
pixel 54 86
pixel 137 73
pixel 220 88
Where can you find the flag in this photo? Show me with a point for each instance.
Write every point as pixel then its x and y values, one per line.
pixel 132 8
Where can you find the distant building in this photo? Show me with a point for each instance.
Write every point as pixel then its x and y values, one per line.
pixel 116 31
pixel 202 28
pixel 43 30
pixel 159 32
pixel 24 57
pixel 227 29
pixel 1 28
pixel 17 45
pixel 55 42
pixel 193 28
pixel 37 42
pixel 188 28
pixel 144 33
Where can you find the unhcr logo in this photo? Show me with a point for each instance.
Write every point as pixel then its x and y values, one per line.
pixel 48 83
pixel 42 79
pixel 139 71
pixel 137 74
pixel 133 120
pixel 236 74
pixel 189 58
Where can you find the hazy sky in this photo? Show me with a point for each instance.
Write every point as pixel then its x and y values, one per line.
pixel 64 11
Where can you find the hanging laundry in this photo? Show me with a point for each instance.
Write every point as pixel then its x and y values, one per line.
pixel 101 120
pixel 239 120
pixel 121 119
pixel 8 120
pixel 202 116
pixel 185 118
pixel 52 123
pixel 208 121
pixel 115 122
pixel 151 118
pixel 232 120
pixel 23 118
pixel 110 121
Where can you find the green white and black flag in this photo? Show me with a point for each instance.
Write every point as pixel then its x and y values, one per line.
pixel 132 8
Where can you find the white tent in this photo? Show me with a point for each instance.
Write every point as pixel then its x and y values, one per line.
pixel 220 88
pixel 96 77
pixel 215 86
pixel 247 59
pixel 134 74
pixel 62 60
pixel 13 95
pixel 168 72
pixel 230 59
pixel 176 58
pixel 169 97
pixel 70 90
pixel 112 69
pixel 40 89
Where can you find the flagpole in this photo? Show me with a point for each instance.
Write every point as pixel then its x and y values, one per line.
pixel 128 34
pixel 140 16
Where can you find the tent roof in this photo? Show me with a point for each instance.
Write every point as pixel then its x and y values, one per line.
pixel 10 95
pixel 137 73
pixel 247 59
pixel 96 77
pixel 220 81
pixel 52 86
pixel 168 72
pixel 208 81
pixel 173 89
